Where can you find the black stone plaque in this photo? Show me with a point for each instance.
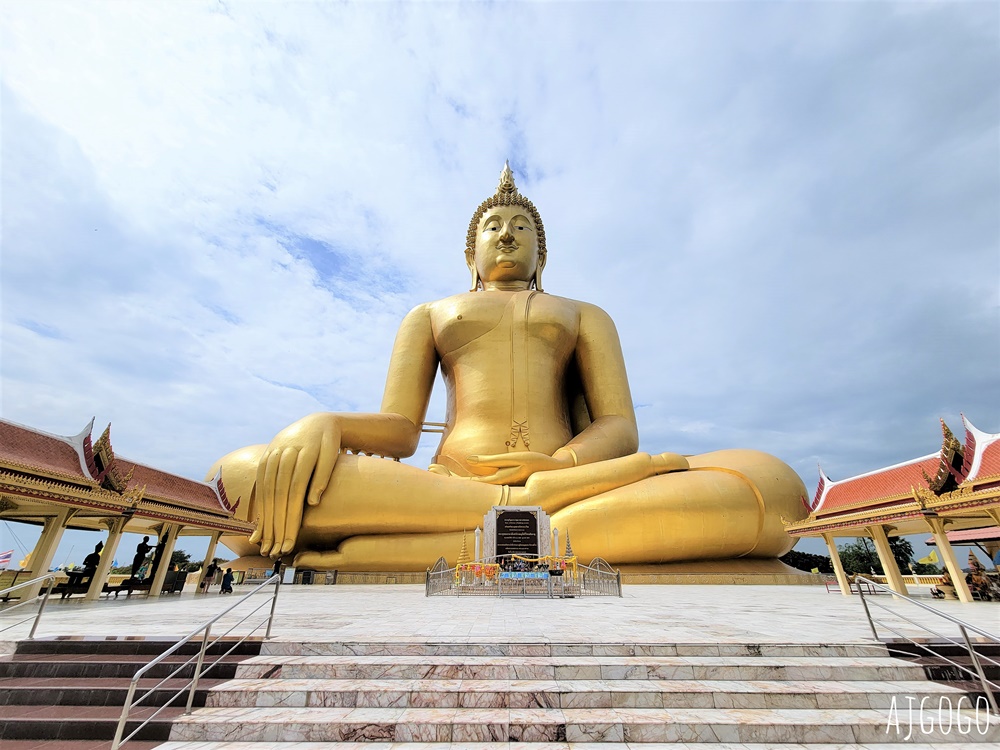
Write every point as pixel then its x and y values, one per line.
pixel 517 533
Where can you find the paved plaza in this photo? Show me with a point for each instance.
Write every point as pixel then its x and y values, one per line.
pixel 645 614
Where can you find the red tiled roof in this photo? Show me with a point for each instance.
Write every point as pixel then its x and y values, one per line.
pixel 989 464
pixel 970 535
pixel 163 486
pixel 882 484
pixel 51 454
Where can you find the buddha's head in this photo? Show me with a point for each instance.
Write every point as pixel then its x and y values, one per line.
pixel 506 239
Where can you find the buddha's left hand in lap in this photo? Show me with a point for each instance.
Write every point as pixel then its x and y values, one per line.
pixel 515 468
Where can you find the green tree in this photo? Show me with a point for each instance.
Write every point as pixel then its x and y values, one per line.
pixel 902 550
pixel 806 561
pixel 181 559
pixel 861 557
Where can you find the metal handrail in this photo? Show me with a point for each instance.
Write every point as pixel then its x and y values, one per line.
pixel 44 597
pixel 199 671
pixel 964 628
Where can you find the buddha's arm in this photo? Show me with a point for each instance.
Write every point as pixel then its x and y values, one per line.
pixel 297 465
pixel 612 432
pixel 411 374
pixel 395 430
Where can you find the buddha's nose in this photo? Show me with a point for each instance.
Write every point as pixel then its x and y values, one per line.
pixel 506 235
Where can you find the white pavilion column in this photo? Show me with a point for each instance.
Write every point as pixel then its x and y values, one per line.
pixel 212 544
pixel 45 548
pixel 838 566
pixel 994 547
pixel 479 544
pixel 168 539
pixel 948 558
pixel 892 574
pixel 115 526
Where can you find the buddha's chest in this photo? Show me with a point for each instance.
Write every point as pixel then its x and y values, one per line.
pixel 500 321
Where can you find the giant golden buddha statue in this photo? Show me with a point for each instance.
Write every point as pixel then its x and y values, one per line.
pixel 539 413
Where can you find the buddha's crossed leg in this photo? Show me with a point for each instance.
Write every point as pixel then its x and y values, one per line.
pixel 635 509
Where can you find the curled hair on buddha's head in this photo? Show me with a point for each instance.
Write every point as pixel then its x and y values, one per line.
pixel 506 195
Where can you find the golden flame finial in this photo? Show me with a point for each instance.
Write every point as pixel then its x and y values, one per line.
pixel 506 185
pixel 463 554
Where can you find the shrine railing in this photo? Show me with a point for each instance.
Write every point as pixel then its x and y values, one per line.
pixel 564 577
pixel 600 579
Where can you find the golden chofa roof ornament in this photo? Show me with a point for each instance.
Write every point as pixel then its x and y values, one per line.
pixel 507 194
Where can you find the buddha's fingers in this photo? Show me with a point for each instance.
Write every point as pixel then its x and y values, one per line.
pixel 296 499
pixel 496 460
pixel 328 451
pixel 270 474
pixel 293 522
pixel 503 476
pixel 282 484
pixel 258 533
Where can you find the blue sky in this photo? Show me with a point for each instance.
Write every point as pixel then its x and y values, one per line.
pixel 215 215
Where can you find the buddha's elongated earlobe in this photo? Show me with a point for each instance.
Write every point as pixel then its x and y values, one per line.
pixel 471 262
pixel 538 272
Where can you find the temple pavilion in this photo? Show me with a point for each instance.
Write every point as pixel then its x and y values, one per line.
pixel 75 482
pixel 953 493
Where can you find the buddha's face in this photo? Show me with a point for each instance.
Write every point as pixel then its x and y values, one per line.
pixel 506 245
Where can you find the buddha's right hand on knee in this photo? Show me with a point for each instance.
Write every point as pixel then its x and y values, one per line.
pixel 294 470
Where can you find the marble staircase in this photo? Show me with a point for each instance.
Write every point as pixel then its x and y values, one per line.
pixel 492 695
pixel 68 692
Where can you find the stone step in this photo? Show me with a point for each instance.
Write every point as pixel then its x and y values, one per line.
pixel 173 745
pixel 101 691
pixel 83 666
pixel 404 648
pixel 630 725
pixel 61 691
pixel 921 648
pixel 579 668
pixel 416 693
pixel 79 723
pixel 95 646
pixel 76 745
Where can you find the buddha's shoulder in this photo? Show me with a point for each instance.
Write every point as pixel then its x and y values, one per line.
pixel 480 299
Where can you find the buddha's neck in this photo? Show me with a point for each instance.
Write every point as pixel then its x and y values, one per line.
pixel 506 286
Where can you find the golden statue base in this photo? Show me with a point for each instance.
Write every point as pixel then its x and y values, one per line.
pixel 705 572
pixel 745 572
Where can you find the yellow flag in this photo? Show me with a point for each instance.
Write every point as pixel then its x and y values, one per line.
pixel 931 559
pixel 814 570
